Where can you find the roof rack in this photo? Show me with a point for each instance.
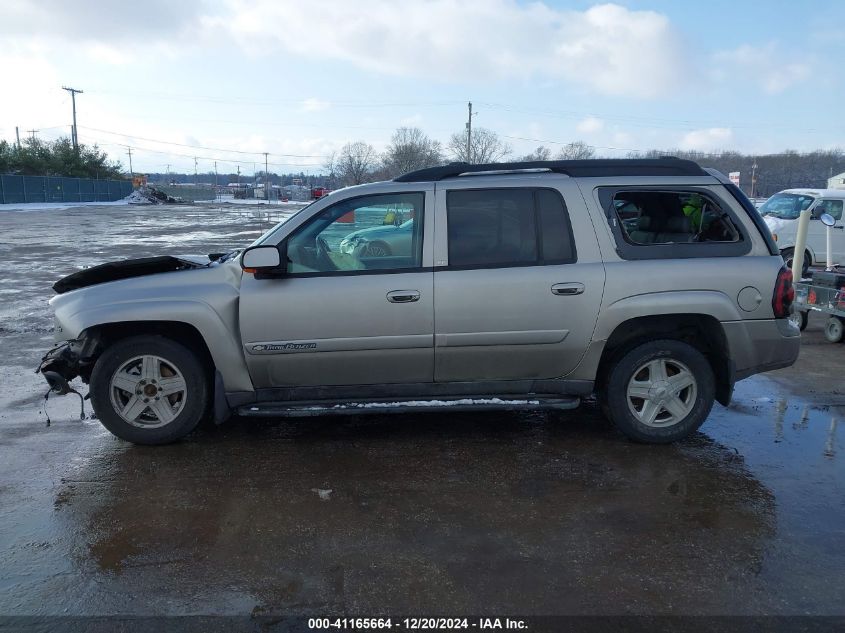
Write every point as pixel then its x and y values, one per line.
pixel 595 168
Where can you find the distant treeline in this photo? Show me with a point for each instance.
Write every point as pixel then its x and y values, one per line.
pixel 57 158
pixel 411 148
pixel 774 172
pixel 222 179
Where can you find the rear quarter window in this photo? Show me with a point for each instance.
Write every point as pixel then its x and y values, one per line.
pixel 666 223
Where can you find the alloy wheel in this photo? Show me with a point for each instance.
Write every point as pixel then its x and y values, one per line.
pixel 148 391
pixel 662 392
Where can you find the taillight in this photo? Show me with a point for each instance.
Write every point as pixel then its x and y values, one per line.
pixel 784 294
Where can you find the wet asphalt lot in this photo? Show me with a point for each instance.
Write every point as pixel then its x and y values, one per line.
pixel 437 513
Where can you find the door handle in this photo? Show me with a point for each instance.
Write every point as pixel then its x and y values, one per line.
pixel 840 227
pixel 403 296
pixel 568 289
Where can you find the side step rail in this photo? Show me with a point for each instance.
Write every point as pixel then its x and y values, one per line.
pixel 396 405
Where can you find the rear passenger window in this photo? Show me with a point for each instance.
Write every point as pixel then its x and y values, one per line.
pixel 499 227
pixel 672 217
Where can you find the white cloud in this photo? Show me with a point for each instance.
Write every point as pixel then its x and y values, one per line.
pixel 714 138
pixel 766 66
pixel 607 48
pixel 37 79
pixel 590 125
pixel 314 105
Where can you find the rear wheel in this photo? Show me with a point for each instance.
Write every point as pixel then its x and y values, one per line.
pixel 799 319
pixel 149 390
pixel 660 391
pixel 834 330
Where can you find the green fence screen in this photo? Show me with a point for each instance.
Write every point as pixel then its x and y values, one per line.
pixel 17 189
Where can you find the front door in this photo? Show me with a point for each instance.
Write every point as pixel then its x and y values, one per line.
pixel 514 298
pixel 357 303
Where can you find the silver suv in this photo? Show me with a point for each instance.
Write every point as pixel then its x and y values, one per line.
pixel 652 284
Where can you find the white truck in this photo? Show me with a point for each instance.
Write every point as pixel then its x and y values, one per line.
pixel 781 213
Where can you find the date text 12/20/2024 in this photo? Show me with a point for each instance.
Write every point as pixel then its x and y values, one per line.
pixel 414 624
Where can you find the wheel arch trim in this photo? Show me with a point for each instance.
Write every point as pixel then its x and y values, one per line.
pixel 225 351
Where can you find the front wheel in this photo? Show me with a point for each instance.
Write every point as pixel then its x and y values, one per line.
pixel 149 390
pixel 660 391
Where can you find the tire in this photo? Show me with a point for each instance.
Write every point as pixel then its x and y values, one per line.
pixel 152 366
pixel 789 253
pixel 799 319
pixel 638 369
pixel 378 249
pixel 834 330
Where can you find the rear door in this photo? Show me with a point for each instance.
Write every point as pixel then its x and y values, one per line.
pixel 518 279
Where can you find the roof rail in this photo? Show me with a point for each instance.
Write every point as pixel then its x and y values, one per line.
pixel 596 168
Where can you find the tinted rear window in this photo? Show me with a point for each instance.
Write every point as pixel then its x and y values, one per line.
pixel 499 227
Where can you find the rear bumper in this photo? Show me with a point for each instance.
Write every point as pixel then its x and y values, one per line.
pixel 764 345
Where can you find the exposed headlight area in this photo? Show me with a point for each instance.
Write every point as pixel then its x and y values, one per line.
pixel 349 244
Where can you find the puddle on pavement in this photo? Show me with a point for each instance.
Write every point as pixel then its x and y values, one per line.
pixel 462 511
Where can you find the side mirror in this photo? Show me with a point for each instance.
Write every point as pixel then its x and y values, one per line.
pixel 827 219
pixel 263 259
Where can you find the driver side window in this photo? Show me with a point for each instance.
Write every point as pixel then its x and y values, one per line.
pixel 378 232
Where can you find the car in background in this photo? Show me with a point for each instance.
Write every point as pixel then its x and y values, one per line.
pixel 381 241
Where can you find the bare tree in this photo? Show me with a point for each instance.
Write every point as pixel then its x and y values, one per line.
pixel 330 166
pixel 355 163
pixel 541 153
pixel 486 147
pixel 576 150
pixel 410 149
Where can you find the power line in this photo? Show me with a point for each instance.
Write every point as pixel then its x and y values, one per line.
pixel 539 140
pixel 192 156
pixel 211 149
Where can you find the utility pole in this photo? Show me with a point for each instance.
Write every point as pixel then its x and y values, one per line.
pixel 215 180
pixel 753 176
pixel 18 136
pixel 196 180
pixel 167 174
pixel 131 172
pixel 266 180
pixel 32 133
pixel 239 176
pixel 74 136
pixel 469 131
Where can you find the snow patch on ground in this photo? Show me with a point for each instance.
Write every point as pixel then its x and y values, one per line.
pixel 58 206
pixel 255 202
pixel 423 403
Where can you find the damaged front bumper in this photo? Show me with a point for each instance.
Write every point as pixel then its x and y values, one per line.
pixel 65 362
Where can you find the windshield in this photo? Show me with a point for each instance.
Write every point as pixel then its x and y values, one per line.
pixel 787 206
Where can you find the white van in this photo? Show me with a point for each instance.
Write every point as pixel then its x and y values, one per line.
pixel 781 213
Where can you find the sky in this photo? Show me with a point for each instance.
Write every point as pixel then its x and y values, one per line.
pixel 226 80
